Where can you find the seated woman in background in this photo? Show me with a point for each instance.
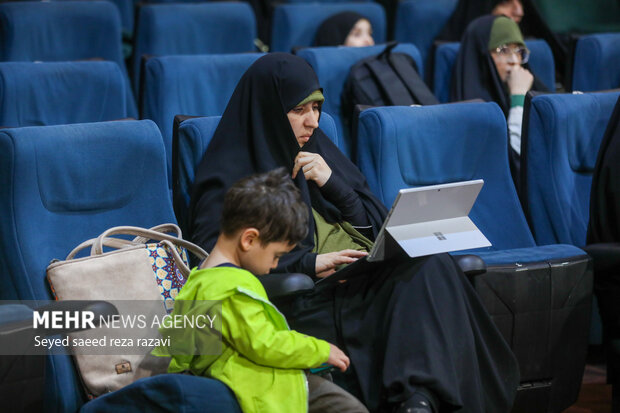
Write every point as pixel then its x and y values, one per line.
pixel 468 10
pixel 345 29
pixel 415 330
pixel 523 12
pixel 492 66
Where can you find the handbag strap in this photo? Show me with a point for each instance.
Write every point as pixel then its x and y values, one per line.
pixel 117 243
pixel 183 268
pixel 163 228
pixel 149 234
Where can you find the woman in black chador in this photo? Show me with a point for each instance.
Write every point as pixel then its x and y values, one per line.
pixel 523 12
pixel 415 330
pixel 492 65
pixel 347 28
pixel 604 228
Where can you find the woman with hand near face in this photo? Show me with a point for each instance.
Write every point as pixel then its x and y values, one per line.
pixel 492 66
pixel 415 331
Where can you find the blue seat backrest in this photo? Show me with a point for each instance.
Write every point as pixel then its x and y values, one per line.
pixel 196 85
pixel 597 59
pixel 193 28
pixel 405 147
pixel 61 185
pixel 295 25
pixel 54 93
pixel 333 64
pixel 62 31
pixel 562 141
pixel 126 10
pixel 420 22
pixel 541 62
pixel 194 137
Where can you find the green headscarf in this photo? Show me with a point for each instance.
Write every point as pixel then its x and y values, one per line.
pixel 316 96
pixel 505 31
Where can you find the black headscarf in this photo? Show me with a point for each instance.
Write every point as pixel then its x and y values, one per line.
pixel 254 136
pixel 464 13
pixel 604 225
pixel 475 75
pixel 532 25
pixel 335 29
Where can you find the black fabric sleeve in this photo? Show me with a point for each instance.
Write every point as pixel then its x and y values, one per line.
pixel 346 200
pixel 300 260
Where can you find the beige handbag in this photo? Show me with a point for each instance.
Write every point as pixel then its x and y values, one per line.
pixel 138 277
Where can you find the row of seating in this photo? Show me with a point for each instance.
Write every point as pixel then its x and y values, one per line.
pixel 190 84
pixel 74 30
pixel 114 176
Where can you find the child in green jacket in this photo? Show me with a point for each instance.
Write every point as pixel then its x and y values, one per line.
pixel 262 360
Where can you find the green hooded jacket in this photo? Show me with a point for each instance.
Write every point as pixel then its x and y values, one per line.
pixel 261 358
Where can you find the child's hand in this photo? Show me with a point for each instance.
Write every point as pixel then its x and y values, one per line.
pixel 337 358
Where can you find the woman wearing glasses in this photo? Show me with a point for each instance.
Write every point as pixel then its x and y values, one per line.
pixel 492 65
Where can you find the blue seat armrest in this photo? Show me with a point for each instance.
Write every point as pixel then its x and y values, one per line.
pixel 98 308
pixel 471 265
pixel 286 284
pixel 605 256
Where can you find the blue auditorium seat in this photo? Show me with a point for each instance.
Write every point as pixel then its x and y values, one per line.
pixel 538 296
pixel 126 10
pixel 561 139
pixel 332 66
pixel 193 28
pixel 95 176
pixel 295 25
pixel 541 62
pixel 597 62
pixel 191 143
pixel 420 22
pixel 54 93
pixel 560 142
pixel 62 31
pixel 197 85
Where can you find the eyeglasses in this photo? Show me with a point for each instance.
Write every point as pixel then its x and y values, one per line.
pixel 506 51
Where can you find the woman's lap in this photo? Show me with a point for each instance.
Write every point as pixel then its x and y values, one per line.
pixel 409 323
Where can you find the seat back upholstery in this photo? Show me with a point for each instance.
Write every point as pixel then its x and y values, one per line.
pixel 62 31
pixel 596 62
pixel 53 93
pixel 541 63
pixel 196 85
pixel 406 147
pixel 295 25
pixel 192 142
pixel 61 185
pixel 539 297
pixel 420 22
pixel 560 144
pixel 192 28
pixel 333 64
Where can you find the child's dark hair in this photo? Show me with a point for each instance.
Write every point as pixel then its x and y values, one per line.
pixel 269 202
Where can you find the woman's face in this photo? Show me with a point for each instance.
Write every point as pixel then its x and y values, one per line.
pixel 304 120
pixel 507 60
pixel 360 35
pixel 510 8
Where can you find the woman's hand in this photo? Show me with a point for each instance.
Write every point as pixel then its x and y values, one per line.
pixel 337 358
pixel 520 80
pixel 314 167
pixel 326 263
